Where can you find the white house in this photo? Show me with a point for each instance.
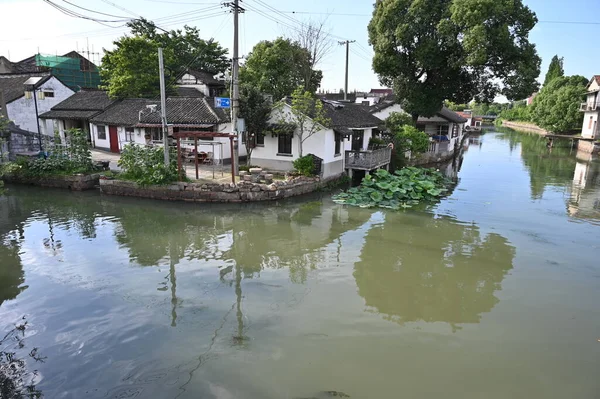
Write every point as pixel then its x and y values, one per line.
pixel 591 109
pixel 350 130
pixel 75 112
pixel 20 105
pixel 137 121
pixel 203 82
pixel 375 96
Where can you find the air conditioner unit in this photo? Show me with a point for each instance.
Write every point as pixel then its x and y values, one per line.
pixel 151 107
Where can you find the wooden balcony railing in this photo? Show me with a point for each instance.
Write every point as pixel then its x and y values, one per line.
pixel 368 160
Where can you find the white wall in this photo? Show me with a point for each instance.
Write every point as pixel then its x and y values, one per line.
pixel 22 111
pixel 587 131
pixel 385 113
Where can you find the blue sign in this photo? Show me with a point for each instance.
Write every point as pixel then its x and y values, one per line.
pixel 222 102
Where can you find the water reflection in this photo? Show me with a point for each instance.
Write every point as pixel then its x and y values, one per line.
pixel 584 201
pixel 11 269
pixel 546 166
pixel 419 267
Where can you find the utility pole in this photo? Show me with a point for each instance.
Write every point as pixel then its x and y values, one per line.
pixel 163 105
pixel 235 98
pixel 347 43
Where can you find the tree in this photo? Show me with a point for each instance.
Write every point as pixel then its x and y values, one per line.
pixel 314 38
pixel 556 108
pixel 456 50
pixel 306 114
pixel 131 69
pixel 278 67
pixel 396 120
pixel 255 108
pixel 555 70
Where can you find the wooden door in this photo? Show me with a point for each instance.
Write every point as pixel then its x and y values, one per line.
pixel 114 139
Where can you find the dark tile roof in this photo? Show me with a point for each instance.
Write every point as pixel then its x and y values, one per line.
pixel 82 105
pixel 451 116
pixel 206 78
pixel 385 102
pixel 344 115
pixel 12 85
pixel 183 91
pixel 185 111
pixel 124 112
pixel 70 114
pixel 337 96
pixel 381 91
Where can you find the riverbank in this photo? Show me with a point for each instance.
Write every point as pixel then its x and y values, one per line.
pixel 70 182
pixel 525 127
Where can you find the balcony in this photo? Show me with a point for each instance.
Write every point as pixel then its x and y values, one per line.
pixel 589 107
pixel 368 160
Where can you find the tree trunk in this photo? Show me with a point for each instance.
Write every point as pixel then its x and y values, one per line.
pixel 300 146
pixel 415 118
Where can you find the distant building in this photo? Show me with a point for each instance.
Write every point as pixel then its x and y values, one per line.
pixel 531 98
pixel 73 69
pixel 203 82
pixel 591 109
pixel 373 97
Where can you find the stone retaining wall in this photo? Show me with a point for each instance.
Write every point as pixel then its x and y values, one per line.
pixel 75 182
pixel 244 191
pixel 525 127
pixel 589 147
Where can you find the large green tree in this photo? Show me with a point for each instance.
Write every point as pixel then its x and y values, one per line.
pixel 131 68
pixel 457 50
pixel 555 70
pixel 278 67
pixel 255 108
pixel 556 108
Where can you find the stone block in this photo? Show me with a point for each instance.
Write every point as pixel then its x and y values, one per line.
pixel 243 173
pixel 255 171
pixel 247 178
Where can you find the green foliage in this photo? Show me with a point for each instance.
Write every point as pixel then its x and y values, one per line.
pixel 555 70
pixel 278 67
pixel 401 189
pixel 131 69
pixel 3 123
pixel 305 165
pixel 255 108
pixel 519 112
pixel 455 107
pixel 145 165
pixel 556 108
pixel 307 115
pixel 397 120
pixel 376 142
pixel 453 50
pixel 411 139
pixel 74 157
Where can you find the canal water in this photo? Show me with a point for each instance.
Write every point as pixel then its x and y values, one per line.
pixel 492 293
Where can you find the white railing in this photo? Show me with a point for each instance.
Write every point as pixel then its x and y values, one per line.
pixel 368 160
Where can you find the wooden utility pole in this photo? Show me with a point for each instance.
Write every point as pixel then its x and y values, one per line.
pixel 347 43
pixel 163 106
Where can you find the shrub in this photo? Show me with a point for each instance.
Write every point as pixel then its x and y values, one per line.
pixel 305 165
pixel 376 142
pixel 146 166
pixel 400 189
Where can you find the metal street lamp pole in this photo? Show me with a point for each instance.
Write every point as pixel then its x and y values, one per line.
pixel 37 119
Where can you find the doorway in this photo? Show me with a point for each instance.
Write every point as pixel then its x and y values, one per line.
pixel 114 139
pixel 357 140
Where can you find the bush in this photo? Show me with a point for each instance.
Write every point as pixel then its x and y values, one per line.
pixel 69 159
pixel 400 189
pixel 305 165
pixel 146 165
pixel 376 142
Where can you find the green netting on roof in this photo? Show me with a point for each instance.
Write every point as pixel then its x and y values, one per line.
pixel 73 72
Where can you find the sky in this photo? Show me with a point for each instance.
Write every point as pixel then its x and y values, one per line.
pixel 567 28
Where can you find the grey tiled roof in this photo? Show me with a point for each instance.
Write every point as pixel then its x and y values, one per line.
pixel 349 115
pixel 451 115
pixel 82 105
pixel 183 91
pixel 186 111
pixel 12 85
pixel 124 112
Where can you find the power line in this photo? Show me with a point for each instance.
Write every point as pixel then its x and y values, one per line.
pixel 97 12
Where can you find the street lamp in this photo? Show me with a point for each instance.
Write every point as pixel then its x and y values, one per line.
pixel 30 85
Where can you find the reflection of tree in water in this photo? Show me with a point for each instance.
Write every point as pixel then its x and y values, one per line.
pixel 547 167
pixel 16 380
pixel 431 269
pixel 11 230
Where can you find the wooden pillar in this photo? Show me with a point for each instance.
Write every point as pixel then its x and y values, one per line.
pixel 179 158
pixel 196 155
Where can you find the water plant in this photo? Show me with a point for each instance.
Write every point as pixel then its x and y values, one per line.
pixel 401 189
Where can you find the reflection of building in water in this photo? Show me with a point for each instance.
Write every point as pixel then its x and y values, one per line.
pixel 584 201
pixel 417 267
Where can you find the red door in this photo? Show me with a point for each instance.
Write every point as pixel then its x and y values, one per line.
pixel 114 139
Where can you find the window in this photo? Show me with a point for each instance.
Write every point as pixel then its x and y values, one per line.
pixel 28 95
pixel 101 132
pixel 338 144
pixel 442 130
pixel 48 93
pixel 591 121
pixel 129 133
pixel 285 144
pixel 260 139
pixel 154 133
